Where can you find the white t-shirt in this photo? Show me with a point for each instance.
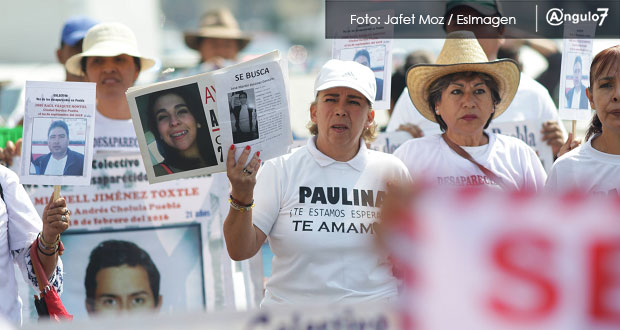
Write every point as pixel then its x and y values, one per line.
pixel 431 160
pixel 532 103
pixel 587 169
pixel 19 226
pixel 318 214
pixel 56 166
pixel 115 135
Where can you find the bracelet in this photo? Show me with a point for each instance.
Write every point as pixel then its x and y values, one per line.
pixel 40 247
pixel 46 245
pixel 235 204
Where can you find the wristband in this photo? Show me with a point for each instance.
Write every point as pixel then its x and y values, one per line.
pixel 46 245
pixel 45 253
pixel 235 204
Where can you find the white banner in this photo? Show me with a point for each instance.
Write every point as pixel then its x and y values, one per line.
pixel 483 260
pixel 333 317
pixel 120 220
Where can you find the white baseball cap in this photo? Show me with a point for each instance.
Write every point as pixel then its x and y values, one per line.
pixel 337 73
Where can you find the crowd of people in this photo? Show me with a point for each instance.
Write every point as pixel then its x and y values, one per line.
pixel 291 200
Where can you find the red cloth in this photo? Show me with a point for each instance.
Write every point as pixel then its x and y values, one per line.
pixel 55 308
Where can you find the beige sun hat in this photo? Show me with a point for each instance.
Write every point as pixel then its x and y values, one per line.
pixel 108 40
pixel 461 52
pixel 219 23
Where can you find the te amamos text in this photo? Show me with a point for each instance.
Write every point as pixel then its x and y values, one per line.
pixel 251 74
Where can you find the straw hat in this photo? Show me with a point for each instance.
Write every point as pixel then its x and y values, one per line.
pixel 461 52
pixel 108 40
pixel 219 23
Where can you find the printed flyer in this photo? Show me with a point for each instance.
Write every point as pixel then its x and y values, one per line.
pixel 58 133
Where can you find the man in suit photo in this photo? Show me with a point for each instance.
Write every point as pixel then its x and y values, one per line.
pixel 60 160
pixel 576 97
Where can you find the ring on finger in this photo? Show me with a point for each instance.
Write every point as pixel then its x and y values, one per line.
pixel 246 171
pixel 66 211
pixel 63 218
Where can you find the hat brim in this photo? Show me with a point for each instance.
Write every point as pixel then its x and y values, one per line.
pixel 420 77
pixel 192 37
pixel 106 49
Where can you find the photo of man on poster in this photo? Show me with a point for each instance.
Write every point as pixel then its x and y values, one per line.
pixel 244 120
pixel 60 160
pixel 362 56
pixel 121 277
pixel 576 97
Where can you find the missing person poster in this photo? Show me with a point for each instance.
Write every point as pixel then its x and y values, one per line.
pixel 254 106
pixel 575 73
pixel 177 225
pixel 371 46
pixel 184 132
pixel 58 133
pixel 376 54
pixel 129 270
pixel 178 128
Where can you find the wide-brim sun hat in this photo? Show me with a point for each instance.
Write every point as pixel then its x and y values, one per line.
pixel 461 52
pixel 108 40
pixel 337 73
pixel 220 24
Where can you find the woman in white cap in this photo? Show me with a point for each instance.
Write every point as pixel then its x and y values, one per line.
pixel 463 92
pixel 111 58
pixel 594 167
pixel 319 204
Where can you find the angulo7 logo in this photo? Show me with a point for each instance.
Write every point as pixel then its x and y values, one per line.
pixel 556 16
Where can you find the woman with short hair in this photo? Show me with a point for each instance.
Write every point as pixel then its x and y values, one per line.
pixel 463 92
pixel 594 167
pixel 319 205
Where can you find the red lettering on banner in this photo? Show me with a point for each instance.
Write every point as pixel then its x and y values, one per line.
pixel 508 255
pixel 208 94
pixel 605 280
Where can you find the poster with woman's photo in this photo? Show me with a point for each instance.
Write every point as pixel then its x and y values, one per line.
pixel 375 54
pixel 177 128
pixel 183 132
pixel 58 133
